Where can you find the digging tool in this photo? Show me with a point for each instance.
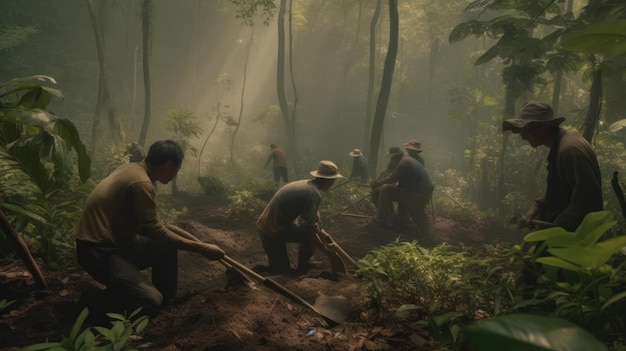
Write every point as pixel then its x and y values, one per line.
pixel 352 205
pixel 537 222
pixel 272 284
pixel 229 268
pixel 331 244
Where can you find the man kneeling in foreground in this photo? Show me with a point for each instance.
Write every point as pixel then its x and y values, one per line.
pixel 119 233
pixel 299 200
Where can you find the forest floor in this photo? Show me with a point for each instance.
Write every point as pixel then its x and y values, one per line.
pixel 216 315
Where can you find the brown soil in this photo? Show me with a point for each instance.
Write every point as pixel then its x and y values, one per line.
pixel 220 316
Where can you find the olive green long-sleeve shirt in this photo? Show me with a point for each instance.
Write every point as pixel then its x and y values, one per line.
pixel 574 182
pixel 121 207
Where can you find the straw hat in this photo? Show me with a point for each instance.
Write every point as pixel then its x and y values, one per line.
pixel 413 145
pixel 355 153
pixel 394 150
pixel 326 170
pixel 535 113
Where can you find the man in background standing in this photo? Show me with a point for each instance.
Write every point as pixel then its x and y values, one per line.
pixel 359 166
pixel 280 164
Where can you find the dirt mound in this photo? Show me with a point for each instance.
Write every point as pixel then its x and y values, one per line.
pixel 216 315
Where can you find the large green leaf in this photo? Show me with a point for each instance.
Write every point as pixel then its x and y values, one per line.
pixel 465 29
pixel 593 226
pixel 559 263
pixel 617 126
pixel 590 257
pixel 67 130
pixel 549 233
pixel 519 332
pixel 19 210
pixel 606 38
pixel 17 85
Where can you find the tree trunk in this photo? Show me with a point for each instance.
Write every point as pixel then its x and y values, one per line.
pixel 294 152
pixel 595 106
pixel 280 79
pixel 385 87
pixel 146 19
pixel 509 110
pixel 22 249
pixel 370 83
pixel 231 156
pixel 96 23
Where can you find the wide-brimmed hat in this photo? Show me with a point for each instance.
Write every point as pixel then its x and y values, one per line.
pixel 413 145
pixel 355 153
pixel 393 151
pixel 326 169
pixel 537 113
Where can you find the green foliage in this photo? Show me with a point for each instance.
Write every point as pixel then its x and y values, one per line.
pixel 585 284
pixel 607 38
pixel 35 141
pixel 116 338
pixel 212 186
pixel 520 332
pixel 4 304
pixel 185 125
pixel 245 201
pixel 13 36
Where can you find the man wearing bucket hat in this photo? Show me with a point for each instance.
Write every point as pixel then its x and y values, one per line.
pixel 298 201
pixel 395 155
pixel 414 148
pixel 359 166
pixel 574 183
pixel 412 192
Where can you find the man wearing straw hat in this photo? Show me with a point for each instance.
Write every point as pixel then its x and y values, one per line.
pixel 298 201
pixel 574 183
pixel 359 166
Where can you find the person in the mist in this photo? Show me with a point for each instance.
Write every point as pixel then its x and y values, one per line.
pixel 279 166
pixel 574 183
pixel 120 233
pixel 414 148
pixel 135 152
pixel 359 166
pixel 412 193
pixel 395 155
pixel 292 216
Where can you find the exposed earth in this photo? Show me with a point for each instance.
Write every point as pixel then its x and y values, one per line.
pixel 217 315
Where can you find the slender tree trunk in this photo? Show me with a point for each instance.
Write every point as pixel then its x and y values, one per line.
pixel 509 110
pixel 556 94
pixel 280 79
pixel 217 119
pixel 134 104
pixel 22 249
pixel 95 13
pixel 231 156
pixel 370 82
pixel 385 88
pixel 295 152
pixel 595 106
pixel 146 20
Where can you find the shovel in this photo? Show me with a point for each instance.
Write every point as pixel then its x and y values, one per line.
pixel 272 284
pixel 229 268
pixel 246 273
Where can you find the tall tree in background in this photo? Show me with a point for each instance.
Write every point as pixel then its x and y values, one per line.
pixel 105 100
pixel 280 83
pixel 371 72
pixel 248 44
pixel 385 88
pixel 146 28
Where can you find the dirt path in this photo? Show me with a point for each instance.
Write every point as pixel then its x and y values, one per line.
pixel 217 316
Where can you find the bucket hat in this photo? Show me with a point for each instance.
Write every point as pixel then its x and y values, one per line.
pixel 327 170
pixel 393 151
pixel 413 145
pixel 532 113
